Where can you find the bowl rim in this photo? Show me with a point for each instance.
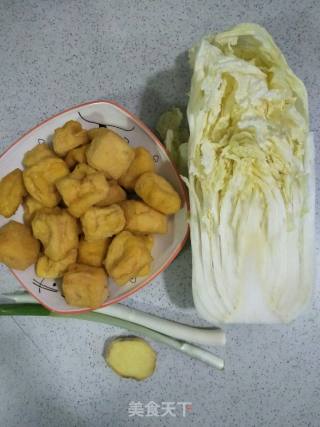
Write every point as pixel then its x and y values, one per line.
pixel 182 189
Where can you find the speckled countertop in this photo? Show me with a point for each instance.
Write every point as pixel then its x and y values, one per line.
pixel 54 54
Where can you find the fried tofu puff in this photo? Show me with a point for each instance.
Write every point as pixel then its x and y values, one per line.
pixel 111 154
pixel 77 155
pixel 40 179
pixel 158 193
pixel 140 218
pixel 116 194
pixel 85 286
pixel 100 223
pixel 93 253
pixel 57 230
pixel 147 240
pixel 79 194
pixel 36 154
pixel 128 256
pixel 82 170
pixel 94 132
pixel 18 248
pixel 12 190
pixel 71 135
pixel 30 207
pixel 49 269
pixel 142 162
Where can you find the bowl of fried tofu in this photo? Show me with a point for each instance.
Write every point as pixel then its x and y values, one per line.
pixel 91 208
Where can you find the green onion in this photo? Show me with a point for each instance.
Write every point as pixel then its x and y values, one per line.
pixel 196 335
pixel 186 348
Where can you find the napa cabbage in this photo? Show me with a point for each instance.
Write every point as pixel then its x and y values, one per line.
pixel 251 183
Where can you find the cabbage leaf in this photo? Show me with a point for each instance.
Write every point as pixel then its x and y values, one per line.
pixel 250 165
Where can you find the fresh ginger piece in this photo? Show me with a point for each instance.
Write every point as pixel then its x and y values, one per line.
pixel 131 357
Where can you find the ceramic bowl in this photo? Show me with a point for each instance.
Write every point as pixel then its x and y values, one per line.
pixel 90 115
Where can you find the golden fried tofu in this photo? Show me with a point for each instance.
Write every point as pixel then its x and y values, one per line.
pixel 30 206
pixel 49 269
pixel 145 271
pixel 80 194
pixel 94 132
pixel 12 190
pixel 100 223
pixel 79 227
pixel 57 230
pixel 140 218
pixel 77 155
pixel 148 241
pixel 142 162
pixel 85 286
pixel 128 256
pixel 18 248
pixel 93 253
pixel 40 179
pixel 36 154
pixel 156 192
pixel 69 136
pixel 110 153
pixel 82 170
pixel 116 194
